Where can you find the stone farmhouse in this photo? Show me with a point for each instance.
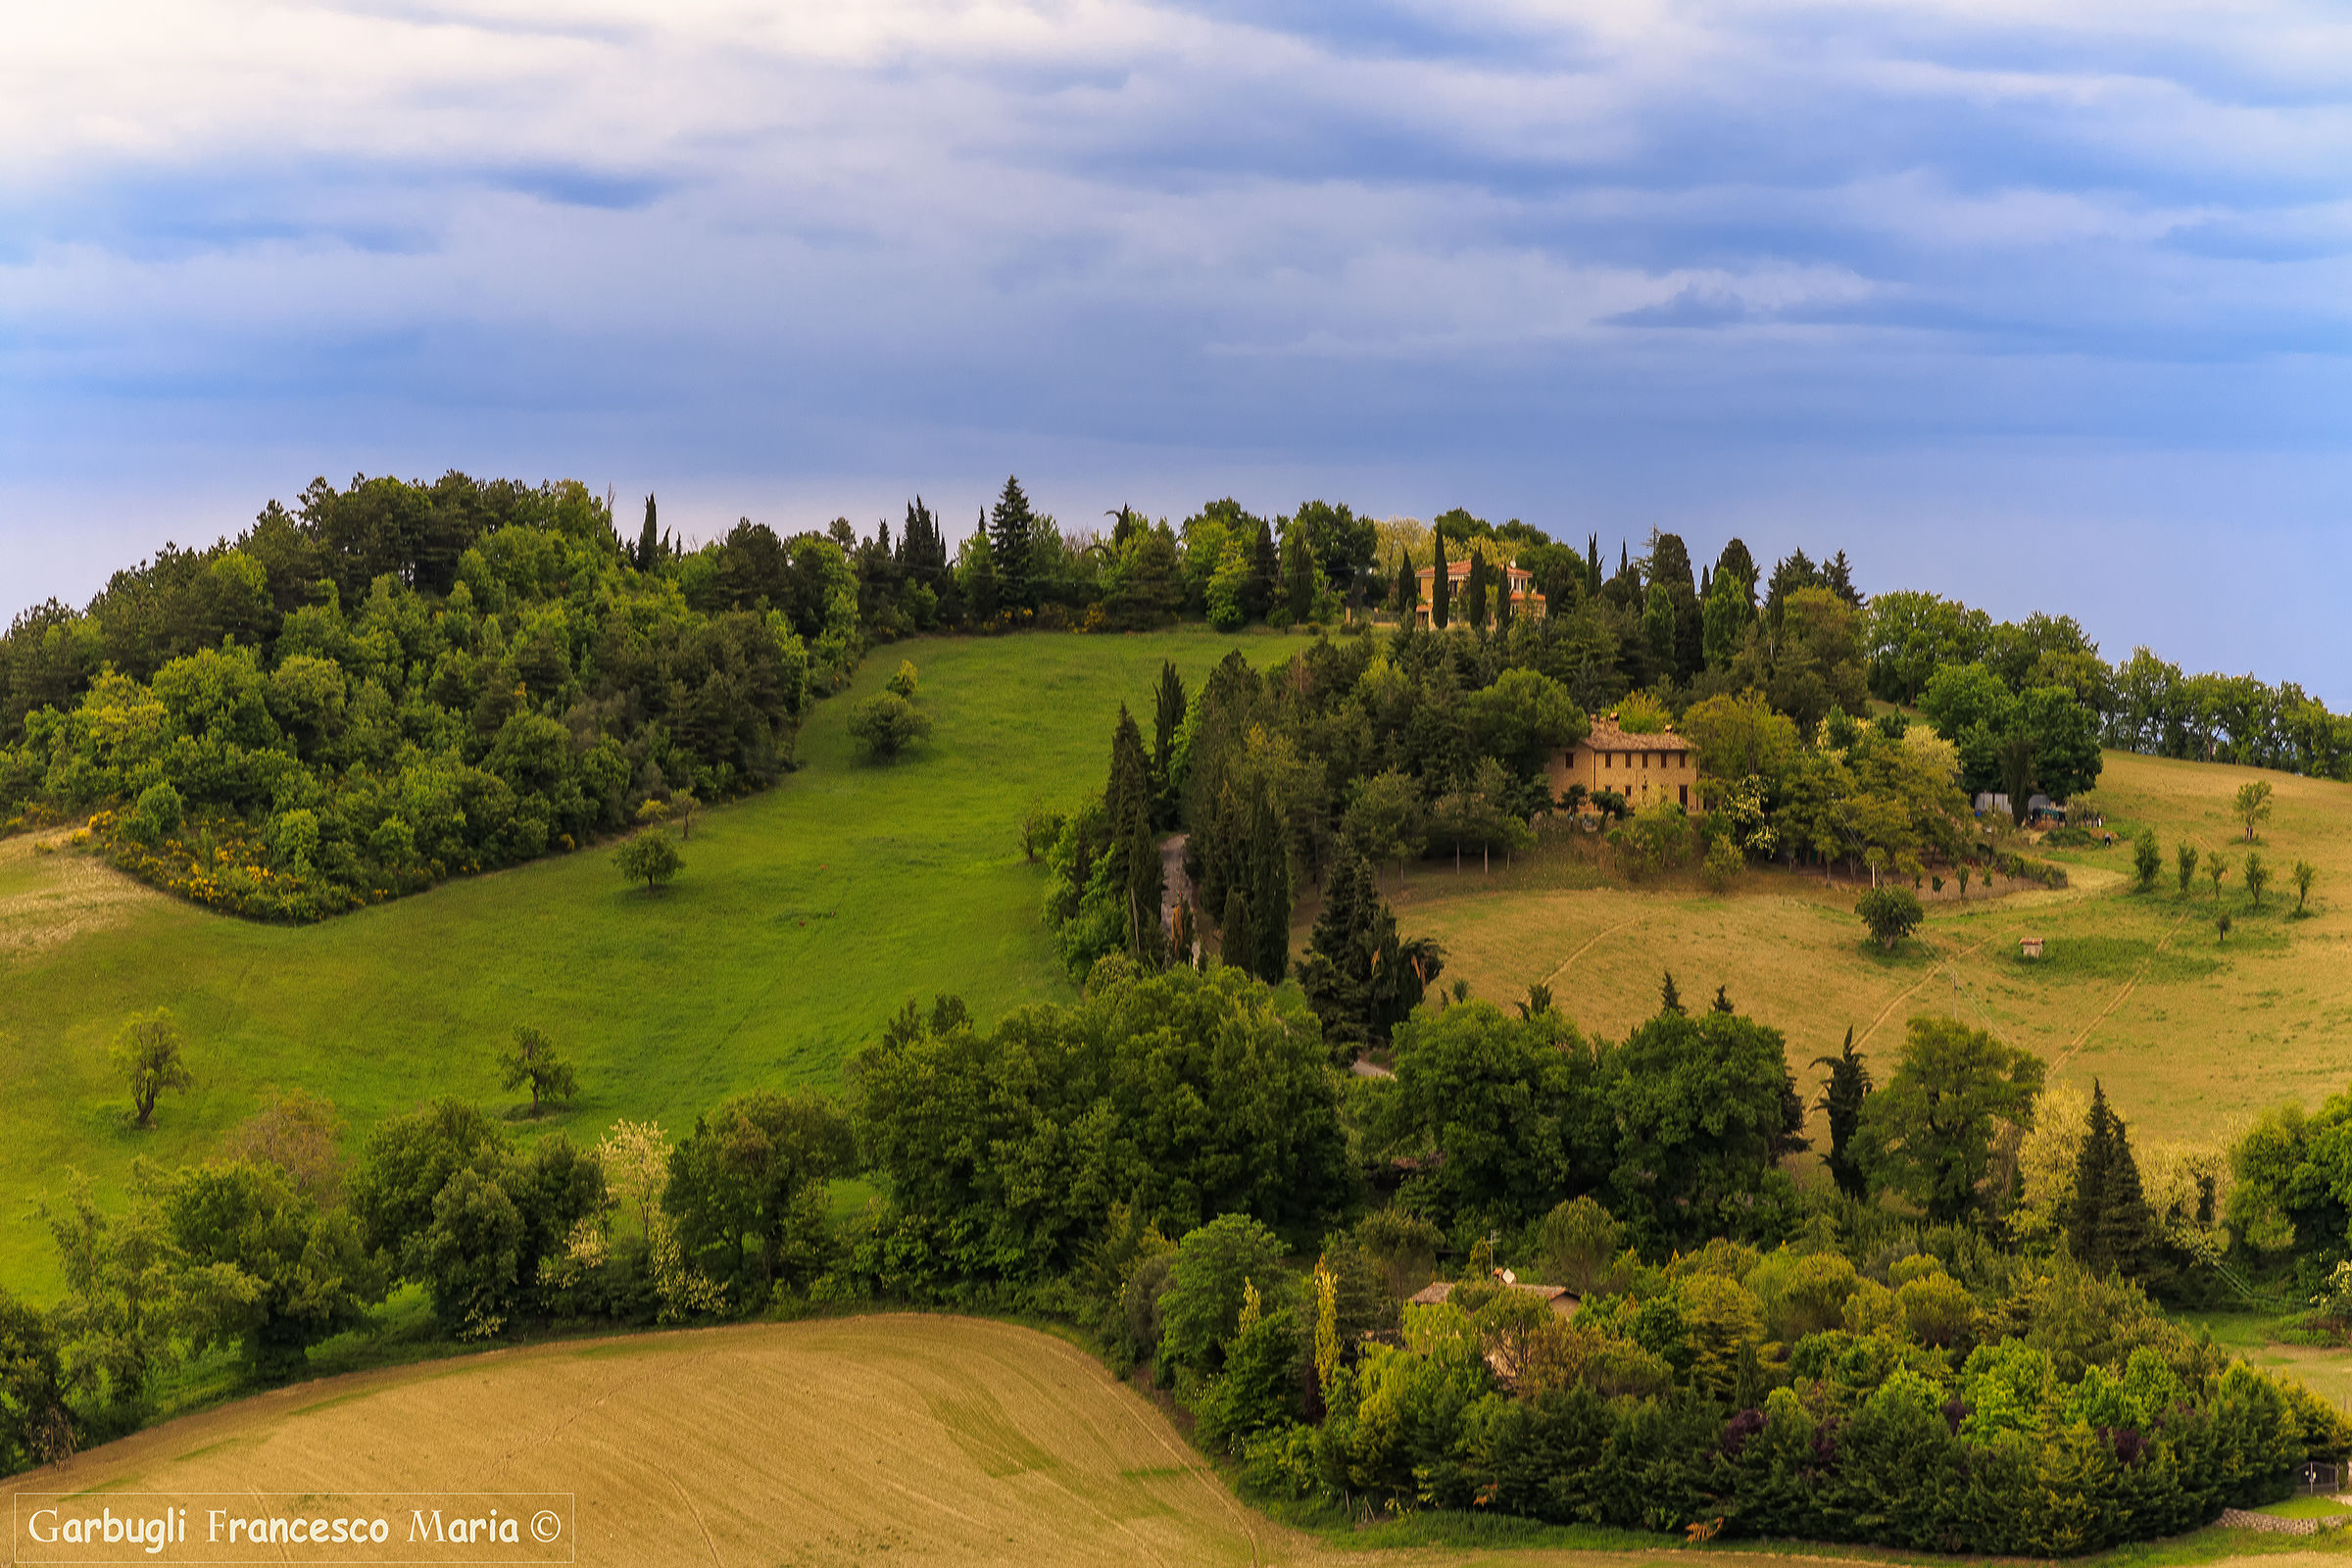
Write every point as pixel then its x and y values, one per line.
pixel 1643 768
pixel 1524 601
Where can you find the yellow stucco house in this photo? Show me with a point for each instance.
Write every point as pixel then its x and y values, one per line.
pixel 1524 601
pixel 1643 768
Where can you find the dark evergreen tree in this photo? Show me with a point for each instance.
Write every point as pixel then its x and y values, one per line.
pixel 1503 600
pixel 1721 1003
pixel 1299 573
pixel 1257 590
pixel 1474 592
pixel 2110 1227
pixel 1359 976
pixel 1236 936
pixel 1441 585
pixel 922 551
pixel 649 541
pixel 1167 717
pixel 1670 997
pixel 1741 566
pixel 987 592
pixel 1270 890
pixel 1591 563
pixel 1841 1099
pixel 1183 937
pixel 1128 803
pixel 1011 536
pixel 1670 560
pixel 1839 578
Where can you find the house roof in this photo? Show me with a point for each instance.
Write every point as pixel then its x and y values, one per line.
pixel 1434 1294
pixel 1607 737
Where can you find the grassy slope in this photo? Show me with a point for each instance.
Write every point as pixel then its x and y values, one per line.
pixel 920 1439
pixel 803 918
pixel 2191 1037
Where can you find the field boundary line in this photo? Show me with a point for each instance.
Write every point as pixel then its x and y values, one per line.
pixel 1587 948
pixel 2130 986
pixel 1919 984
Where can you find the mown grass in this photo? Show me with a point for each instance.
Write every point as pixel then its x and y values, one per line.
pixel 803 918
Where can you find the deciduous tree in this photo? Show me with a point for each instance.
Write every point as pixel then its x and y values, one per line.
pixel 149 1054
pixel 532 1058
pixel 2253 805
pixel 651 858
pixel 1929 1134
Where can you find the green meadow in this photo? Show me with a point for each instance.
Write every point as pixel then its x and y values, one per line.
pixel 803 918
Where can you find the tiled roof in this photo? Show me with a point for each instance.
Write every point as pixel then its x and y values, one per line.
pixel 1607 737
pixel 1433 1295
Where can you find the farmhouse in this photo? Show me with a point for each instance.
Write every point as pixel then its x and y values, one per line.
pixel 1524 601
pixel 1558 1298
pixel 1643 768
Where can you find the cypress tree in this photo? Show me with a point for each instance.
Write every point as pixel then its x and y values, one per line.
pixel 1128 803
pixel 1841 1099
pixel 1167 717
pixel 1474 592
pixel 648 540
pixel 1258 593
pixel 985 590
pixel 1670 997
pixel 1237 938
pixel 1591 565
pixel 1440 586
pixel 1010 535
pixel 2110 1227
pixel 1503 600
pixel 1271 891
pixel 1409 590
pixel 1337 967
pixel 1298 572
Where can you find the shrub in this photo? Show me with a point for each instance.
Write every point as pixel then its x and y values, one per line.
pixel 1725 862
pixel 902 682
pixel 1891 914
pixel 887 725
pixel 156 815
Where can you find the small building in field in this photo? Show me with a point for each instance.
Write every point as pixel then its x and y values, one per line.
pixel 1643 768
pixel 1524 601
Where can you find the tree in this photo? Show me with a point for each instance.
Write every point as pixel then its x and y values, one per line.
pixel 1580 1244
pixel 2258 876
pixel 903 681
pixel 296 1132
pixel 2147 859
pixel 1891 914
pixel 2109 1227
pixel 1386 819
pixel 1167 719
pixel 2216 866
pixel 649 541
pixel 886 724
pixel 532 1058
pixel 1523 718
pixel 1269 890
pixel 1499 1117
pixel 1670 997
pixel 262 1266
pixel 2253 805
pixel 116 1325
pixel 1440 584
pixel 1127 806
pixel 1842 1098
pixel 1409 590
pixel 148 1053
pixel 1359 976
pixel 1011 528
pixel 746 1188
pixel 1930 1133
pixel 2304 874
pixel 1474 591
pixel 651 858
pixel 1298 573
pixel 1214 1272
pixel 1257 589
pixel 1237 933
pixel 1704 1107
pixel 2185 860
pixel 35 1426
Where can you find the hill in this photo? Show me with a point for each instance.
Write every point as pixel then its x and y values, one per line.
pixel 923 1440
pixel 805 916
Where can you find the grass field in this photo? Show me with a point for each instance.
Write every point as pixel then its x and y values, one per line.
pixel 2191 1036
pixel 907 1439
pixel 804 917
pixel 808 914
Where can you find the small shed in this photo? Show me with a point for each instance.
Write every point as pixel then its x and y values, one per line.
pixel 2029 946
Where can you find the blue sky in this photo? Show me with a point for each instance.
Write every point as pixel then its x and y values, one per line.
pixel 2050 307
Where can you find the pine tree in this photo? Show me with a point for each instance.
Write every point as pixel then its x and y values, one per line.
pixel 1440 586
pixel 1670 997
pixel 1841 1099
pixel 2110 1227
pixel 1271 891
pixel 1010 535
pixel 648 540
pixel 1336 969
pixel 1408 592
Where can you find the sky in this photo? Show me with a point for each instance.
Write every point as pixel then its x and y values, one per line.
pixel 2045 307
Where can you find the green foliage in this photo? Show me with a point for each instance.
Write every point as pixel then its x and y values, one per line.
pixel 399 684
pixel 651 858
pixel 532 1060
pixel 1497 1116
pixel 35 1426
pixel 2252 804
pixel 887 723
pixel 1842 1098
pixel 1182 1095
pixel 1523 718
pixel 2147 859
pixel 1891 914
pixel 902 682
pixel 747 1191
pixel 149 1054
pixel 2304 873
pixel 1387 818
pixel 262 1266
pixel 1580 1244
pixel 1928 1134
pixel 2110 1227
pixel 2184 861
pixel 1361 978
pixel 2258 876
pixel 1703 1108
pixel 1216 1268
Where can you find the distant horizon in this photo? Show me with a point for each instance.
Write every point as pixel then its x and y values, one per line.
pixel 2037 309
